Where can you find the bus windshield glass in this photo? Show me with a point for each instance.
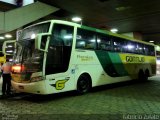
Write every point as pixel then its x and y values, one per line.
pixel 30 32
pixel 26 55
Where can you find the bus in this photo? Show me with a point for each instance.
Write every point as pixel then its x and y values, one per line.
pixel 6 50
pixel 158 59
pixel 58 56
pixel 2 56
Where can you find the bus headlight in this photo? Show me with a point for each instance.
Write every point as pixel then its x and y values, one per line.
pixel 36 79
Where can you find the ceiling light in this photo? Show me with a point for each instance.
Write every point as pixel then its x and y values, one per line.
pixel 122 8
pixel 76 19
pixel 1 38
pixel 151 41
pixel 114 30
pixel 9 46
pixel 8 35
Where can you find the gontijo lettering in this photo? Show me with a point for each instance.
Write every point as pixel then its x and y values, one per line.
pixel 134 59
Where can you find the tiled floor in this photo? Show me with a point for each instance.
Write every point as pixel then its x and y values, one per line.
pixel 127 100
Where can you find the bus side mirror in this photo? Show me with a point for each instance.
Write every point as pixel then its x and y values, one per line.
pixel 42 41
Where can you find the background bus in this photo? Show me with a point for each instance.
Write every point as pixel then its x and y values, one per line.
pixel 57 56
pixel 158 59
pixel 2 56
pixel 8 49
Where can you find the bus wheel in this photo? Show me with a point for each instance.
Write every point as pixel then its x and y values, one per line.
pixel 147 74
pixel 141 75
pixel 83 84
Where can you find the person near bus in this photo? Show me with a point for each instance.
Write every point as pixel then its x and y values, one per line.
pixel 6 86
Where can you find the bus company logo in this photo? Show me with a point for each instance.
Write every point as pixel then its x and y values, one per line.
pixel 134 59
pixel 85 58
pixel 60 84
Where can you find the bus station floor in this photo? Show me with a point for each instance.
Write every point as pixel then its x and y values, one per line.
pixel 128 100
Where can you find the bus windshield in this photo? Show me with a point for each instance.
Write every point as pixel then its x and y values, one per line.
pixel 26 55
pixel 29 32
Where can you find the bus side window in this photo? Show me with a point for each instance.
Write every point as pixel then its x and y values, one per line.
pixel 59 50
pixel 104 42
pixel 119 45
pixel 150 50
pixel 139 48
pixel 85 39
pixel 146 50
pixel 62 36
pixel 131 47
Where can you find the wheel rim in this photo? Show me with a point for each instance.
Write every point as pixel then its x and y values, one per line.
pixel 83 84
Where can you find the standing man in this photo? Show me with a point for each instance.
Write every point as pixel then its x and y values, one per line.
pixel 6 67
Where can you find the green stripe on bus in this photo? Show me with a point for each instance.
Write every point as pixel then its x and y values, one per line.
pixel 111 63
pixel 117 63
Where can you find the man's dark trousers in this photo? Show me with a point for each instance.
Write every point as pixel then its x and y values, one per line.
pixel 6 83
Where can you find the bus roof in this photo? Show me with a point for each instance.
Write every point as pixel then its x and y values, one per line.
pixel 94 29
pixel 115 34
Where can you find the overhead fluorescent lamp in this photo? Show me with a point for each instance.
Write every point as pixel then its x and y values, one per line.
pixel 8 36
pixel 76 19
pixel 114 30
pixel 9 51
pixel 9 46
pixel 151 41
pixel 1 38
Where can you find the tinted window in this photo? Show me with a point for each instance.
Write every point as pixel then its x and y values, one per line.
pixel 119 45
pixel 62 35
pixel 104 42
pixel 139 48
pixel 59 49
pixel 131 47
pixel 85 39
pixel 149 50
pixel 158 53
pixel 28 32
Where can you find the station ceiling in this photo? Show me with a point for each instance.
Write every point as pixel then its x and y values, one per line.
pixel 141 16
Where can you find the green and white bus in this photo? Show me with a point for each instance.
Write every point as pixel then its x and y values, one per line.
pixel 57 56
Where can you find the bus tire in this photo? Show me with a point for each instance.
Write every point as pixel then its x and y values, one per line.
pixel 147 74
pixel 141 75
pixel 83 84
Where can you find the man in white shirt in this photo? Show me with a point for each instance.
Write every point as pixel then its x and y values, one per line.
pixel 6 67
